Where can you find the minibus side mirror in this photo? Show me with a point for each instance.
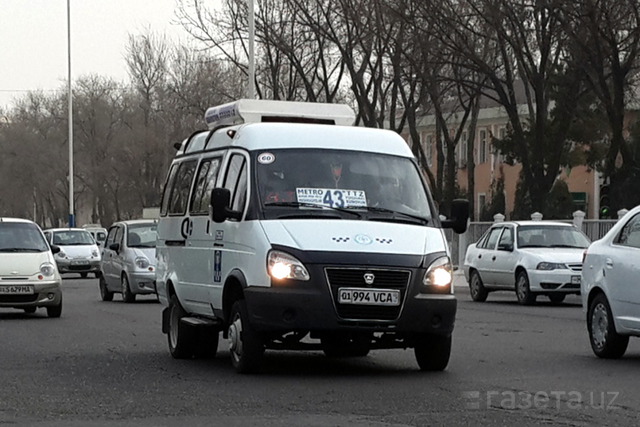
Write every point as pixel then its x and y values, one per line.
pixel 459 216
pixel 219 209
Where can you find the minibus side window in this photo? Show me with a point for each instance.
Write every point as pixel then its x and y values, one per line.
pixel 206 181
pixel 164 206
pixel 236 181
pixel 180 189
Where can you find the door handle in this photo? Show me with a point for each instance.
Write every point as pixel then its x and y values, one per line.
pixel 608 263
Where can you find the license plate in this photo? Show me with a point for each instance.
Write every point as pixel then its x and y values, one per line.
pixel 16 289
pixel 575 280
pixel 363 296
pixel 79 262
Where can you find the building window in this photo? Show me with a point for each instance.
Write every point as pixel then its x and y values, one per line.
pixel 429 150
pixel 482 147
pixel 461 148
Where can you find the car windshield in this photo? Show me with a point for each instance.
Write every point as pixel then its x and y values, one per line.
pixel 21 237
pixel 72 238
pixel 549 236
pixel 142 236
pixel 341 184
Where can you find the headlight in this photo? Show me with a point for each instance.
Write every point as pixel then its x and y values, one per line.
pixel 439 275
pixel 281 265
pixel 61 254
pixel 142 262
pixel 551 266
pixel 47 269
pixel 94 252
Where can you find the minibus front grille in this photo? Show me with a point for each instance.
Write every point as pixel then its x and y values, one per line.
pixel 355 278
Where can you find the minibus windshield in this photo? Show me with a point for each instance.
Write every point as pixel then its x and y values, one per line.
pixel 383 186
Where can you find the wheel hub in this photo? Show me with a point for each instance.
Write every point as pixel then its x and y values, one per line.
pixel 599 325
pixel 235 340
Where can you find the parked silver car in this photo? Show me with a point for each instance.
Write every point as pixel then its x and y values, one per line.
pixel 129 260
pixel 529 257
pixel 610 287
pixel 79 252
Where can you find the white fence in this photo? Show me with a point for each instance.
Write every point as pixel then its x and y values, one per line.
pixel 593 228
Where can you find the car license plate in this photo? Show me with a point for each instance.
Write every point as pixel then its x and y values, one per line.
pixel 365 296
pixel 16 289
pixel 79 262
pixel 575 280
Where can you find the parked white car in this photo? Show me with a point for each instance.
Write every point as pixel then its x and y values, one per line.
pixel 79 252
pixel 531 258
pixel 610 287
pixel 129 260
pixel 29 278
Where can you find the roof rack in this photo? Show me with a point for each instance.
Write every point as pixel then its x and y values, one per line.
pixel 260 110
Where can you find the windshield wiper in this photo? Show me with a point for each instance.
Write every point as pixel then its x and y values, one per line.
pixel 420 219
pixel 313 205
pixel 20 250
pixel 567 246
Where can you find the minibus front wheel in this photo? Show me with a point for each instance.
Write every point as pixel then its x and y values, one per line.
pixel 245 343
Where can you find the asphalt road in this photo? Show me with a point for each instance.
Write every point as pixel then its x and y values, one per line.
pixel 107 364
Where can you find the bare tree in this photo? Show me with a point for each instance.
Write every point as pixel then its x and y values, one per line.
pixel 605 37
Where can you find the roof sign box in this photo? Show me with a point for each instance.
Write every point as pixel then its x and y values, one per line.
pixel 260 110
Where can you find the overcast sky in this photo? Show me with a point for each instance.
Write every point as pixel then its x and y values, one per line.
pixel 33 39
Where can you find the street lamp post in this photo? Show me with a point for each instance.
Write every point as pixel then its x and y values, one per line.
pixel 251 90
pixel 72 219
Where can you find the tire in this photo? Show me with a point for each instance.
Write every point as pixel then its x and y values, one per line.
pixel 557 298
pixel 245 344
pixel 344 346
pixel 523 291
pixel 181 338
pixel 55 310
pixel 84 275
pixel 476 288
pixel 127 295
pixel 605 341
pixel 433 351
pixel 30 310
pixel 98 274
pixel 105 293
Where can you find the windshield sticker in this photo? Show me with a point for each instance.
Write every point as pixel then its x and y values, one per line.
pixel 332 198
pixel 266 158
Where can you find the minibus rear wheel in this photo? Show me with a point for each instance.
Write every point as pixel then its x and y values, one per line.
pixel 181 338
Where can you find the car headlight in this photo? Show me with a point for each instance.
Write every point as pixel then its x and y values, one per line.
pixel 61 254
pixel 551 266
pixel 142 262
pixel 439 275
pixel 94 252
pixel 281 265
pixel 47 269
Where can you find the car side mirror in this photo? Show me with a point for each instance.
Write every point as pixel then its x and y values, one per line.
pixel 114 247
pixel 55 249
pixel 505 247
pixel 459 216
pixel 219 209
